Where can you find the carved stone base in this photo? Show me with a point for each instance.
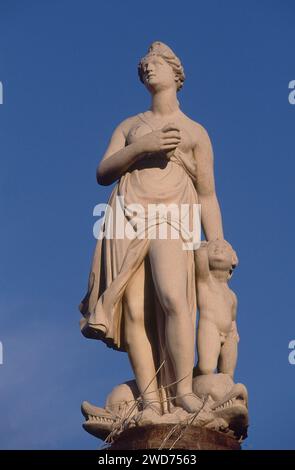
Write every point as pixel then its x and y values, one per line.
pixel 224 412
pixel 161 437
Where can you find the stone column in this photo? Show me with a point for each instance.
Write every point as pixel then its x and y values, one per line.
pixel 166 436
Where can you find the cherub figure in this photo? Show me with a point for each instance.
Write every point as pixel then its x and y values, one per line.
pixel 217 336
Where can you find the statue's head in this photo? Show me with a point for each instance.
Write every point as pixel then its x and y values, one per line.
pixel 161 68
pixel 222 256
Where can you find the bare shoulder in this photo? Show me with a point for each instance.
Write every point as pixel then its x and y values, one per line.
pixel 205 283
pixel 127 124
pixel 197 130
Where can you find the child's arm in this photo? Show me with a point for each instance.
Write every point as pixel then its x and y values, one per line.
pixel 229 350
pixel 234 328
pixel 202 262
pixel 234 331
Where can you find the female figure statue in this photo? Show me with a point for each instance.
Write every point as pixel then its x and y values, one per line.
pixel 142 291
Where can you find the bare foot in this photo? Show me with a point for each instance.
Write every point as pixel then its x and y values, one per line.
pixel 151 413
pixel 189 402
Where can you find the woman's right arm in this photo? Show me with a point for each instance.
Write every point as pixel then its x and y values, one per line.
pixel 119 156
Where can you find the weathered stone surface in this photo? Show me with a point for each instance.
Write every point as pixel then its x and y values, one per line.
pixel 188 437
pixel 147 282
pixel 224 410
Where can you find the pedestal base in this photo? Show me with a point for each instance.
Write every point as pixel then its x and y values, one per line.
pixel 184 437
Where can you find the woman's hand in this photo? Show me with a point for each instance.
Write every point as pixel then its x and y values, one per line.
pixel 162 140
pixel 119 156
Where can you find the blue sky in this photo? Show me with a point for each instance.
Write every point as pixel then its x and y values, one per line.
pixel 69 74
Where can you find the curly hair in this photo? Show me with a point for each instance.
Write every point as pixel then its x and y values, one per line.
pixel 160 49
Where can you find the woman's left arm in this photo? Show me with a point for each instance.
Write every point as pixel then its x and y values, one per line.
pixel 205 186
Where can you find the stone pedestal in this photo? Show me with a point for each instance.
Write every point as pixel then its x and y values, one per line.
pixel 165 436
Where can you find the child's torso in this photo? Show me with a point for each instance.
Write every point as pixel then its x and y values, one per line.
pixel 216 302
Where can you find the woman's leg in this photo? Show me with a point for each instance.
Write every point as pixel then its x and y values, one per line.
pixel 169 264
pixel 138 318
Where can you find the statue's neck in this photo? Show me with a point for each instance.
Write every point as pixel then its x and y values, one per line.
pixel 164 102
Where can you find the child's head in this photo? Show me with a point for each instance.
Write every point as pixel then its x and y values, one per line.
pixel 221 256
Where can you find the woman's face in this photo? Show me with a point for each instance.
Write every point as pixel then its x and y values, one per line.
pixel 157 74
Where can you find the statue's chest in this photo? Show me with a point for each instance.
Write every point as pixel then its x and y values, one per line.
pixel 140 129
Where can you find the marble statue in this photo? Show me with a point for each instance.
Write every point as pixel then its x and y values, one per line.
pixel 217 336
pixel 144 291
